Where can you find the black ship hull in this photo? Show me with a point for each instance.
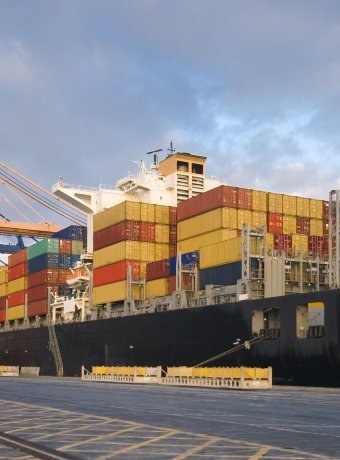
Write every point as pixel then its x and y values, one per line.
pixel 191 336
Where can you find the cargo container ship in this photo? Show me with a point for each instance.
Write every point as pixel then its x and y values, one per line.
pixel 176 269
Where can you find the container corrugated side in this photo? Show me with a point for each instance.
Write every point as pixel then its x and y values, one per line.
pixel 17 298
pixel 3 300
pixel 221 253
pixel 2 316
pixel 127 210
pixel 161 214
pixel 316 227
pixel 195 243
pixel 17 312
pixel 269 241
pixel 77 247
pixel 120 251
pixel 289 205
pixel 147 212
pixel 17 258
pixel 300 243
pixel 3 290
pixel 274 222
pixel 19 284
pixel 65 246
pixel 18 271
pixel 157 287
pixel 244 198
pixel 147 232
pixel 41 292
pixel 161 251
pixel 315 208
pixel 302 206
pixel 114 292
pixel 116 272
pixel 43 261
pixel 45 246
pixel 289 224
pixel 47 275
pixel 207 222
pixel 259 202
pixel 259 219
pixel 244 216
pixel 157 269
pixel 275 202
pixel 161 233
pixel 38 307
pixel 147 252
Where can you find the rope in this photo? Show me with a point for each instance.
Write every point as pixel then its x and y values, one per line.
pixel 232 350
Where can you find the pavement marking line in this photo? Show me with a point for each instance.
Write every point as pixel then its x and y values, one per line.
pixel 260 453
pixel 42 425
pixel 195 449
pixel 100 438
pixel 138 445
pixel 67 431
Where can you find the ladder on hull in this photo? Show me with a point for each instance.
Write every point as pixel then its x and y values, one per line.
pixel 55 350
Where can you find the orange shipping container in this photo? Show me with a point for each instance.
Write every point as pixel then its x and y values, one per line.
pixel 39 307
pixel 115 272
pixel 65 246
pixel 18 271
pixel 17 258
pixel 17 298
pixel 2 316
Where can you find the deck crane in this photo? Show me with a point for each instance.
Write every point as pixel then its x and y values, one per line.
pixel 15 181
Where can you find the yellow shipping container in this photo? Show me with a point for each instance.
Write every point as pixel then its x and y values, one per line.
pixel 127 210
pixel 19 284
pixel 195 243
pixel 161 233
pixel 207 222
pixel 147 251
pixel 147 212
pixel 316 227
pixel 3 275
pixel 161 214
pixel 289 224
pixel 3 289
pixel 158 287
pixel 130 250
pixel 315 209
pixel 244 216
pixel 161 251
pixel 258 219
pixel 289 205
pixel 259 200
pixel 143 269
pixel 300 243
pixel 302 206
pixel 115 292
pixel 17 312
pixel 221 253
pixel 275 202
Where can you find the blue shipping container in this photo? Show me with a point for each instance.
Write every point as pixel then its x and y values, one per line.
pixel 189 260
pixel 226 275
pixel 73 232
pixel 47 260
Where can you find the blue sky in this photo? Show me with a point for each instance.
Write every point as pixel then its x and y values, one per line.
pixel 88 86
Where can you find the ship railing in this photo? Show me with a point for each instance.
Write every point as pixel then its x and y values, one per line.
pixel 215 377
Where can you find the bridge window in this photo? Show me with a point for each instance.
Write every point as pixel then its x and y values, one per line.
pixel 266 322
pixel 183 166
pixel 310 320
pixel 196 168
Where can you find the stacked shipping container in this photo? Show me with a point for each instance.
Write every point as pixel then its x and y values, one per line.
pixel 17 285
pixel 129 235
pixel 3 292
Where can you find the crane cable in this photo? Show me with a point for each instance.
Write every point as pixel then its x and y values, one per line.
pixel 73 214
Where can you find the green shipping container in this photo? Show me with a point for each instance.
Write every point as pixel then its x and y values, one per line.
pixel 77 247
pixel 48 245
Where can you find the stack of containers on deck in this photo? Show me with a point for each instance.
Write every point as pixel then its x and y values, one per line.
pixel 3 292
pixel 161 275
pixel 17 285
pixel 130 234
pixel 49 262
pixel 297 225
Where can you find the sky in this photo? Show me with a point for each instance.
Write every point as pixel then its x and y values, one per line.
pixel 87 87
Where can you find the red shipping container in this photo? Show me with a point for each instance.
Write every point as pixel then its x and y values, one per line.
pixel 325 225
pixel 244 198
pixel 17 298
pixel 126 230
pixel 40 292
pixel 147 232
pixel 46 276
pixel 2 316
pixel 325 245
pixel 303 225
pixel 17 258
pixel 315 245
pixel 172 250
pixel 218 197
pixel 18 271
pixel 172 215
pixel 115 272
pixel 65 246
pixel 283 242
pixel 186 283
pixel 173 234
pixel 3 302
pixel 39 307
pixel 158 269
pixel 274 222
pixel 63 273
